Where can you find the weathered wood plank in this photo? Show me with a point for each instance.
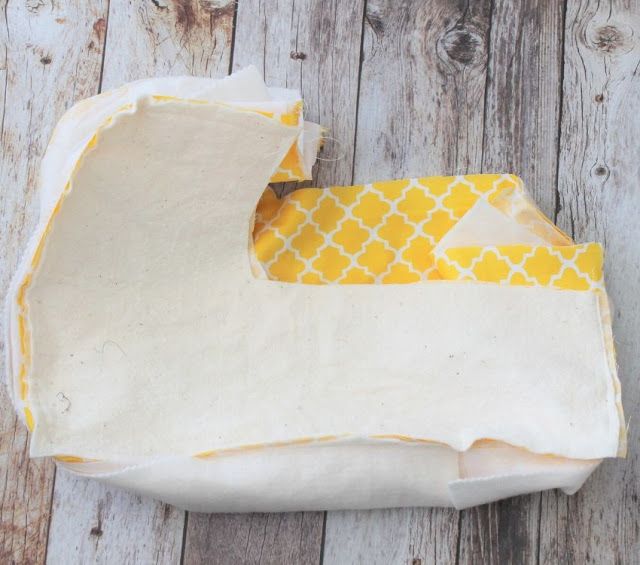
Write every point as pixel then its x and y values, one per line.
pixel 420 112
pixel 502 532
pixel 409 536
pixel 167 38
pixel 25 490
pixel 522 109
pixel 94 523
pixel 422 89
pixel 599 199
pixel 425 119
pixel 313 46
pixel 90 522
pixel 50 57
pixel 523 96
pixel 292 538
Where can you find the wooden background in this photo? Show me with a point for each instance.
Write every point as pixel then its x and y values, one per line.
pixel 549 90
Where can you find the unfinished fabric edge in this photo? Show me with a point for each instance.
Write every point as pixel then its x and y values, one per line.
pixel 517 205
pixel 450 486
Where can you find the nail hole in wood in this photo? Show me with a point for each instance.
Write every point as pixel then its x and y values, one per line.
pixel 599 97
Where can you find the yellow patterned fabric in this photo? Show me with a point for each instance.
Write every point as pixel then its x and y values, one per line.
pixel 386 232
pixel 292 166
pixel 575 267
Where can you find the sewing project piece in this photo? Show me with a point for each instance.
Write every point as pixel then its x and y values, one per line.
pixel 178 330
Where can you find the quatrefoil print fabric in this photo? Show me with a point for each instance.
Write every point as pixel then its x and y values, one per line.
pixel 389 232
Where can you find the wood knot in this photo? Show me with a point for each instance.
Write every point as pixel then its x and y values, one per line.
pixel 298 55
pixel 99 27
pixel 34 6
pixel 416 561
pixel 599 98
pixel 218 8
pixel 46 60
pixel 96 531
pixel 609 39
pixel 462 46
pixel 374 20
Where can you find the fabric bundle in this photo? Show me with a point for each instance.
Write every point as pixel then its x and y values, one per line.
pixel 447 345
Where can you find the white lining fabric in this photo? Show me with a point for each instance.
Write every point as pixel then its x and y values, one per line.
pixel 146 318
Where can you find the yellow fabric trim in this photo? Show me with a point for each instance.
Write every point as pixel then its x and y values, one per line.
pixel 575 267
pixel 72 459
pixel 259 446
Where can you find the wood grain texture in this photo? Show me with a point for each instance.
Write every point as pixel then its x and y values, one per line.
pixel 599 199
pixel 282 539
pixel 51 55
pixel 313 46
pixel 523 94
pixel 521 135
pixel 412 536
pixel 546 90
pixel 422 89
pixel 420 113
pixel 167 38
pixel 93 523
pixel 144 39
pixel 502 532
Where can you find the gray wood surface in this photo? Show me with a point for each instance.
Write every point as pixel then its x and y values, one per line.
pixel 599 196
pixel 547 89
pixel 52 59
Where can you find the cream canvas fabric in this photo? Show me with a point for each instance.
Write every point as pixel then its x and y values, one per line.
pixel 144 351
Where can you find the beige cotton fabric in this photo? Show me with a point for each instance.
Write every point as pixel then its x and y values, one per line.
pixel 160 361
